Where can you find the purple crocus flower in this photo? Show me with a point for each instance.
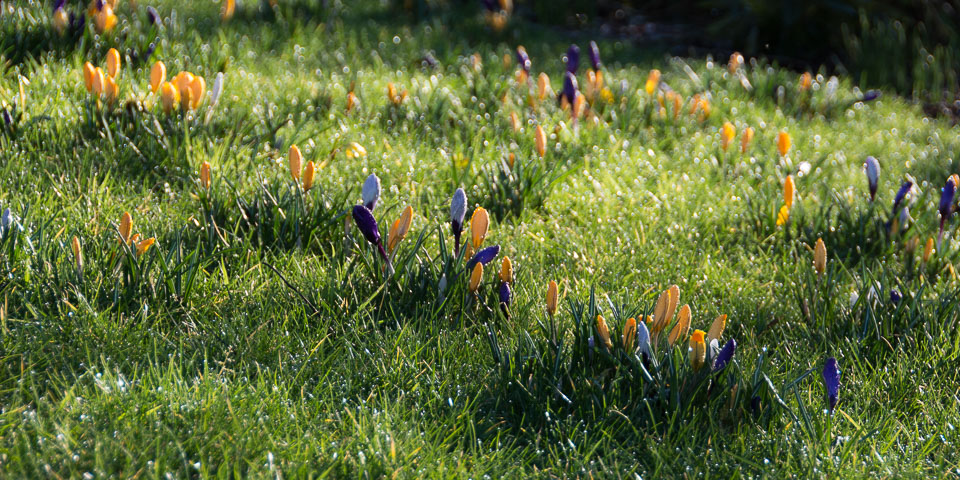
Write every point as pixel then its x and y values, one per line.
pixel 523 59
pixel 594 55
pixel 153 16
pixel 831 380
pixel 7 119
pixel 946 206
pixel 458 210
pixel 363 217
pixel 725 355
pixel 57 5
pixel 870 96
pixel 569 91
pixel 99 4
pixel 505 296
pixel 484 256
pixel 895 297
pixel 901 194
pixel 573 58
pixel 872 167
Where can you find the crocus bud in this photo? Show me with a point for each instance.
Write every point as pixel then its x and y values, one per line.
pixel 88 73
pixel 205 175
pixel 725 355
pixel 144 245
pixel 197 88
pixel 569 93
pixel 895 297
pixel 653 81
pixel 594 52
pixel 928 250
pixel 168 97
pixel 479 225
pixel 309 172
pixel 727 133
pixel 158 73
pixel 783 143
pixel 367 225
pixel 643 340
pixel 399 229
pixel 98 82
pixel 126 227
pixel 153 16
pixel 806 81
pixel 111 91
pixel 295 161
pixel 113 62
pixel 603 332
pixel 831 380
pixel 946 205
pixel 543 85
pixel 746 139
pixel 682 327
pixel 485 256
pixel 77 253
pixel 523 59
pixel 573 58
pixel 227 9
pixel 736 60
pixel 475 277
pixel 716 328
pixel 104 20
pixel 901 194
pixel 541 141
pixel 458 210
pixel 697 352
pixel 629 335
pixel 505 297
pixel 789 191
pixel 371 191
pixel 870 96
pixel 552 298
pixel 665 308
pixel 506 270
pixel 60 20
pixel 872 167
pixel 820 257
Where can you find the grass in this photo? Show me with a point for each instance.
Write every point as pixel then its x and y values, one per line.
pixel 257 338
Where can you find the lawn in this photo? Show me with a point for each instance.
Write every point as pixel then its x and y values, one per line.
pixel 264 333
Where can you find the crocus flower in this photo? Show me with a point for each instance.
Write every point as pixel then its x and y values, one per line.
pixel 505 295
pixel 746 139
pixel 523 60
pixel 543 85
pixel 309 173
pixel 126 227
pixel 368 227
pixel 569 92
pixel 217 89
pixel 629 336
pixel 77 253
pixel 395 97
pixel 806 80
pixel 682 327
pixel 399 229
pixel 371 191
pixel 820 257
pixel 697 351
pixel 831 380
pixel 98 82
pixel 573 58
pixel 515 121
pixel 111 91
pixel 783 143
pixel 872 167
pixel 88 73
pixel 665 308
pixel 653 81
pixel 228 9
pixel 113 62
pixel 870 96
pixel 153 16
pixel 479 225
pixel 198 87
pixel 541 141
pixel 158 73
pixel 594 52
pixel 895 296
pixel 144 245
pixel 727 134
pixel 352 101
pixel 716 328
pixel 295 161
pixel 475 277
pixel 603 332
pixel 168 97
pixel 725 355
pixel 735 62
pixel 552 298
pixel 61 20
pixel 485 256
pixel 901 194
pixel 105 20
pixel 789 191
pixel 946 206
pixel 928 250
pixel 205 175
pixel 643 340
pixel 506 270
pixel 458 210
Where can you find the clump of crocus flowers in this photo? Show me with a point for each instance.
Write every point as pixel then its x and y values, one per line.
pixel 128 238
pixel 102 84
pixel 789 191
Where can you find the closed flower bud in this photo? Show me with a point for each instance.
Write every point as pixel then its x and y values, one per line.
pixel 725 355
pixel 205 175
pixel 227 9
pixel 506 270
pixel 573 58
pixel 928 250
pixel 458 210
pixel 806 80
pixel 716 328
pixel 104 20
pixel 371 191
pixel 168 97
pixel 789 191
pixel 727 134
pixel 505 295
pixel 603 332
pixel 399 229
pixel 295 161
pixel 367 225
pixel 594 52
pixel 309 172
pixel 144 245
pixel 665 308
pixel 872 167
pixel 569 93
pixel 643 340
pixel 198 87
pixel 653 81
pixel 352 101
pixel 629 336
pixel 475 277
pixel 831 381
pixel 111 91
pixel 77 252
pixel 746 139
pixel 552 298
pixel 186 99
pixel 113 62
pixel 820 257
pixel 98 82
pixel 61 20
pixel 485 256
pixel 158 73
pixel 541 141
pixel 736 61
pixel 697 352
pixel 682 327
pixel 523 59
pixel 543 86
pixel 479 225
pixel 783 143
pixel 88 73
pixel 126 227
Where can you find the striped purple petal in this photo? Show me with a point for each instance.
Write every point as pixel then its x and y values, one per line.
pixel 725 355
pixel 594 53
pixel 831 380
pixel 573 58
pixel 901 194
pixel 366 224
pixel 484 256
